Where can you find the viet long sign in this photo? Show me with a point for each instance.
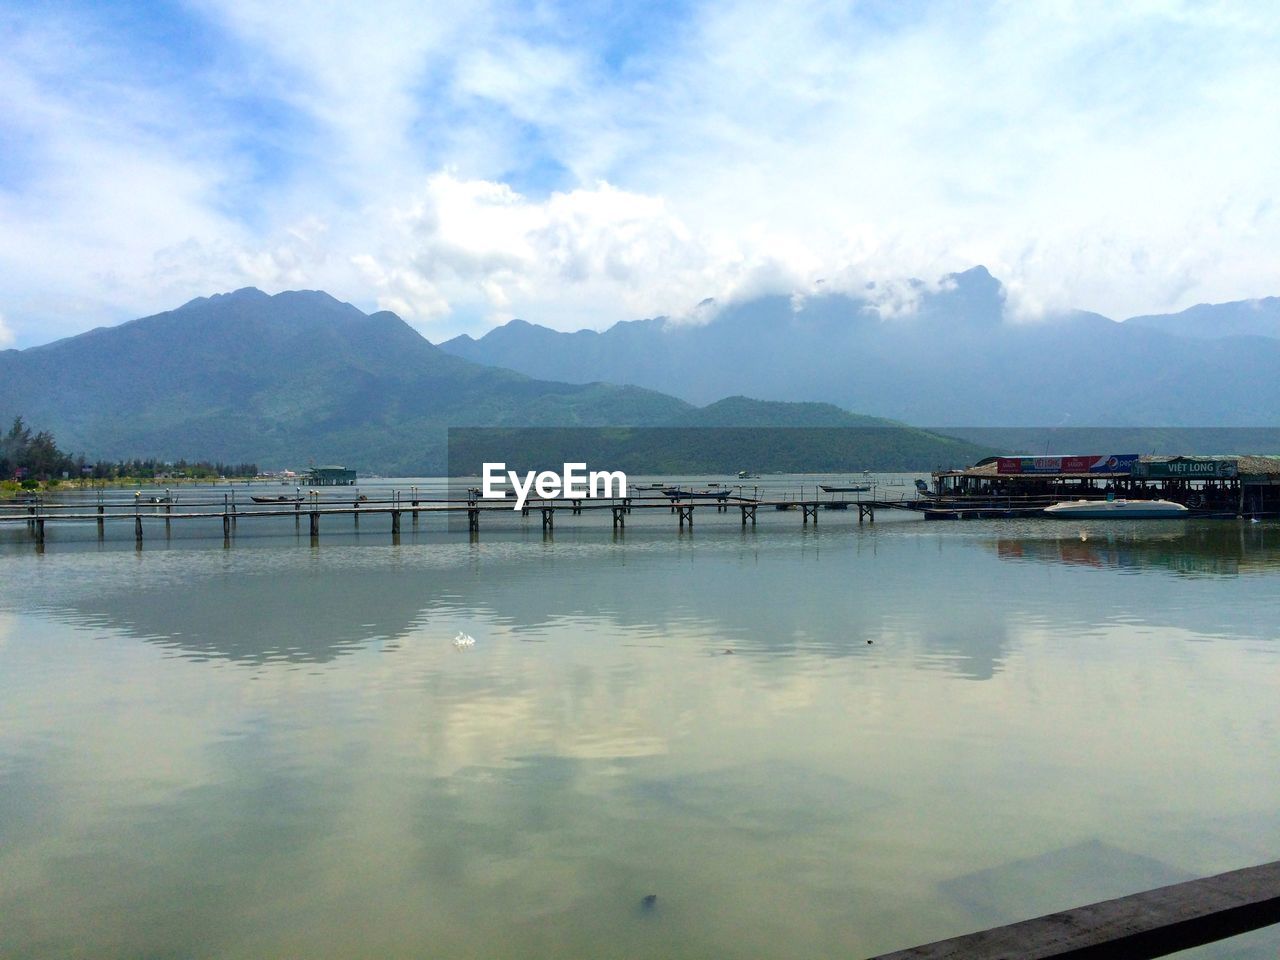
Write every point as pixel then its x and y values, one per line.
pixel 1107 463
pixel 1185 469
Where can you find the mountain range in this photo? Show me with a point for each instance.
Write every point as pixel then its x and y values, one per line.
pixel 296 377
pixel 300 376
pixel 951 360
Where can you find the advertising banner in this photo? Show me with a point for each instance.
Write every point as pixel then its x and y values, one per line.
pixel 1106 463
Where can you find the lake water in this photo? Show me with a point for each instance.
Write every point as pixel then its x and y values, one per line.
pixel 805 742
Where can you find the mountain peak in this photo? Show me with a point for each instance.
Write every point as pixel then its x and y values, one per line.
pixel 977 280
pixel 243 295
pixel 971 297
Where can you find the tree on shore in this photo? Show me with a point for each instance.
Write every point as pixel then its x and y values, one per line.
pixel 35 456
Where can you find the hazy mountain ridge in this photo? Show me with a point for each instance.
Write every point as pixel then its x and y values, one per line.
pixel 1213 321
pixel 284 379
pixel 953 360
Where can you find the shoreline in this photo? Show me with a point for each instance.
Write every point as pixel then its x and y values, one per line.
pixel 12 491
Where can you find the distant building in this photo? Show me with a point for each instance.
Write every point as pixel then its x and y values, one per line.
pixel 331 477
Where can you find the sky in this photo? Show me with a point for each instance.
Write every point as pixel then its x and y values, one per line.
pixel 577 164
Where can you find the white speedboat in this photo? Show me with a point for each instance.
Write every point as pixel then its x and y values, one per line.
pixel 1116 510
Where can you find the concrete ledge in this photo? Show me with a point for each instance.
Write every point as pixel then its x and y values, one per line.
pixel 1151 924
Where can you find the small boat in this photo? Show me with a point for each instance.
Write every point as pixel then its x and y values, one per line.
pixel 1116 510
pixel 283 498
pixel 826 489
pixel 744 475
pixel 675 493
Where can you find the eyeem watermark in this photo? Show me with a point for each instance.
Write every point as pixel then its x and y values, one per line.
pixel 575 483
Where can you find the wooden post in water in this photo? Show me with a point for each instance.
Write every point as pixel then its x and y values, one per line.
pixel 315 523
pixel 473 518
pixel 686 513
pixel 102 533
pixel 395 524
pixel 749 511
pixel 548 517
pixel 619 517
pixel 40 530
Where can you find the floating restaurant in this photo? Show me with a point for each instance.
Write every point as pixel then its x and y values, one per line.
pixel 331 477
pixel 1227 485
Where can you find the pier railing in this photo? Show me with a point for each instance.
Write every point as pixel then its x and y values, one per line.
pixel 1154 923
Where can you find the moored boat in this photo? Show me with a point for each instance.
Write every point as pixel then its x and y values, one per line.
pixel 675 493
pixel 280 499
pixel 1116 510
pixel 826 489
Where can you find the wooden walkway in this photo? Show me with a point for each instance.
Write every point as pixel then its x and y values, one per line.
pixel 140 513
pixel 1155 923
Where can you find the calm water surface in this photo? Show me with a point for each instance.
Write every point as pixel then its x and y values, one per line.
pixel 805 743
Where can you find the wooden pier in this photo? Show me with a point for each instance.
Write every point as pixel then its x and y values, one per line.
pixel 1154 923
pixel 139 515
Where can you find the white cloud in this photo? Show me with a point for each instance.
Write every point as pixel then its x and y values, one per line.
pixel 6 335
pixel 466 163
pixel 480 248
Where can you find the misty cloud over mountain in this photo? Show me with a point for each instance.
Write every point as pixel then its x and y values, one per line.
pixel 954 359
